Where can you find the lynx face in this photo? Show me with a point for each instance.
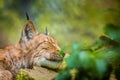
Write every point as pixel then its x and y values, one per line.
pixel 48 52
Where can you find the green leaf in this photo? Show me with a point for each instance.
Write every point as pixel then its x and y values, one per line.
pixel 113 32
pixel 101 66
pixel 65 75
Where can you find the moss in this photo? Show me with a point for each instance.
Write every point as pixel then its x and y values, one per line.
pixel 22 75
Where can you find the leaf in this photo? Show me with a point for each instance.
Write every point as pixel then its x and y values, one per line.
pixel 113 32
pixel 65 75
pixel 101 66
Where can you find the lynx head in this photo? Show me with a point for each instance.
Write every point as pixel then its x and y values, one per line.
pixel 41 48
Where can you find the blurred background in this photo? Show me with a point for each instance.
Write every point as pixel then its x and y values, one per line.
pixel 68 21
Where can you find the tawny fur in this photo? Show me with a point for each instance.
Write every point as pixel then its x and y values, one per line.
pixel 22 55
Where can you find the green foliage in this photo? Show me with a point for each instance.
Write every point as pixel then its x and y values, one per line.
pixel 86 63
pixel 62 52
pixel 113 32
pixel 65 75
pixel 96 62
pixel 22 75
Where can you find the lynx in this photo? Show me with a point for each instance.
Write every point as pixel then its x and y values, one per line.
pixel 32 49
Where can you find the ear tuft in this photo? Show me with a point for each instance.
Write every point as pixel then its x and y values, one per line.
pixel 46 31
pixel 27 16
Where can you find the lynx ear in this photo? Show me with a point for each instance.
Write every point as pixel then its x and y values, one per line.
pixel 29 30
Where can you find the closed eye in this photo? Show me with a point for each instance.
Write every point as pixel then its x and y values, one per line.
pixel 46 48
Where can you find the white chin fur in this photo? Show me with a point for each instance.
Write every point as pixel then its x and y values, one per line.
pixel 46 63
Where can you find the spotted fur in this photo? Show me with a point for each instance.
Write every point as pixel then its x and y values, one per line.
pixel 32 49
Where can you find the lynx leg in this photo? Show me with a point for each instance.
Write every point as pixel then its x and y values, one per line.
pixel 6 75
